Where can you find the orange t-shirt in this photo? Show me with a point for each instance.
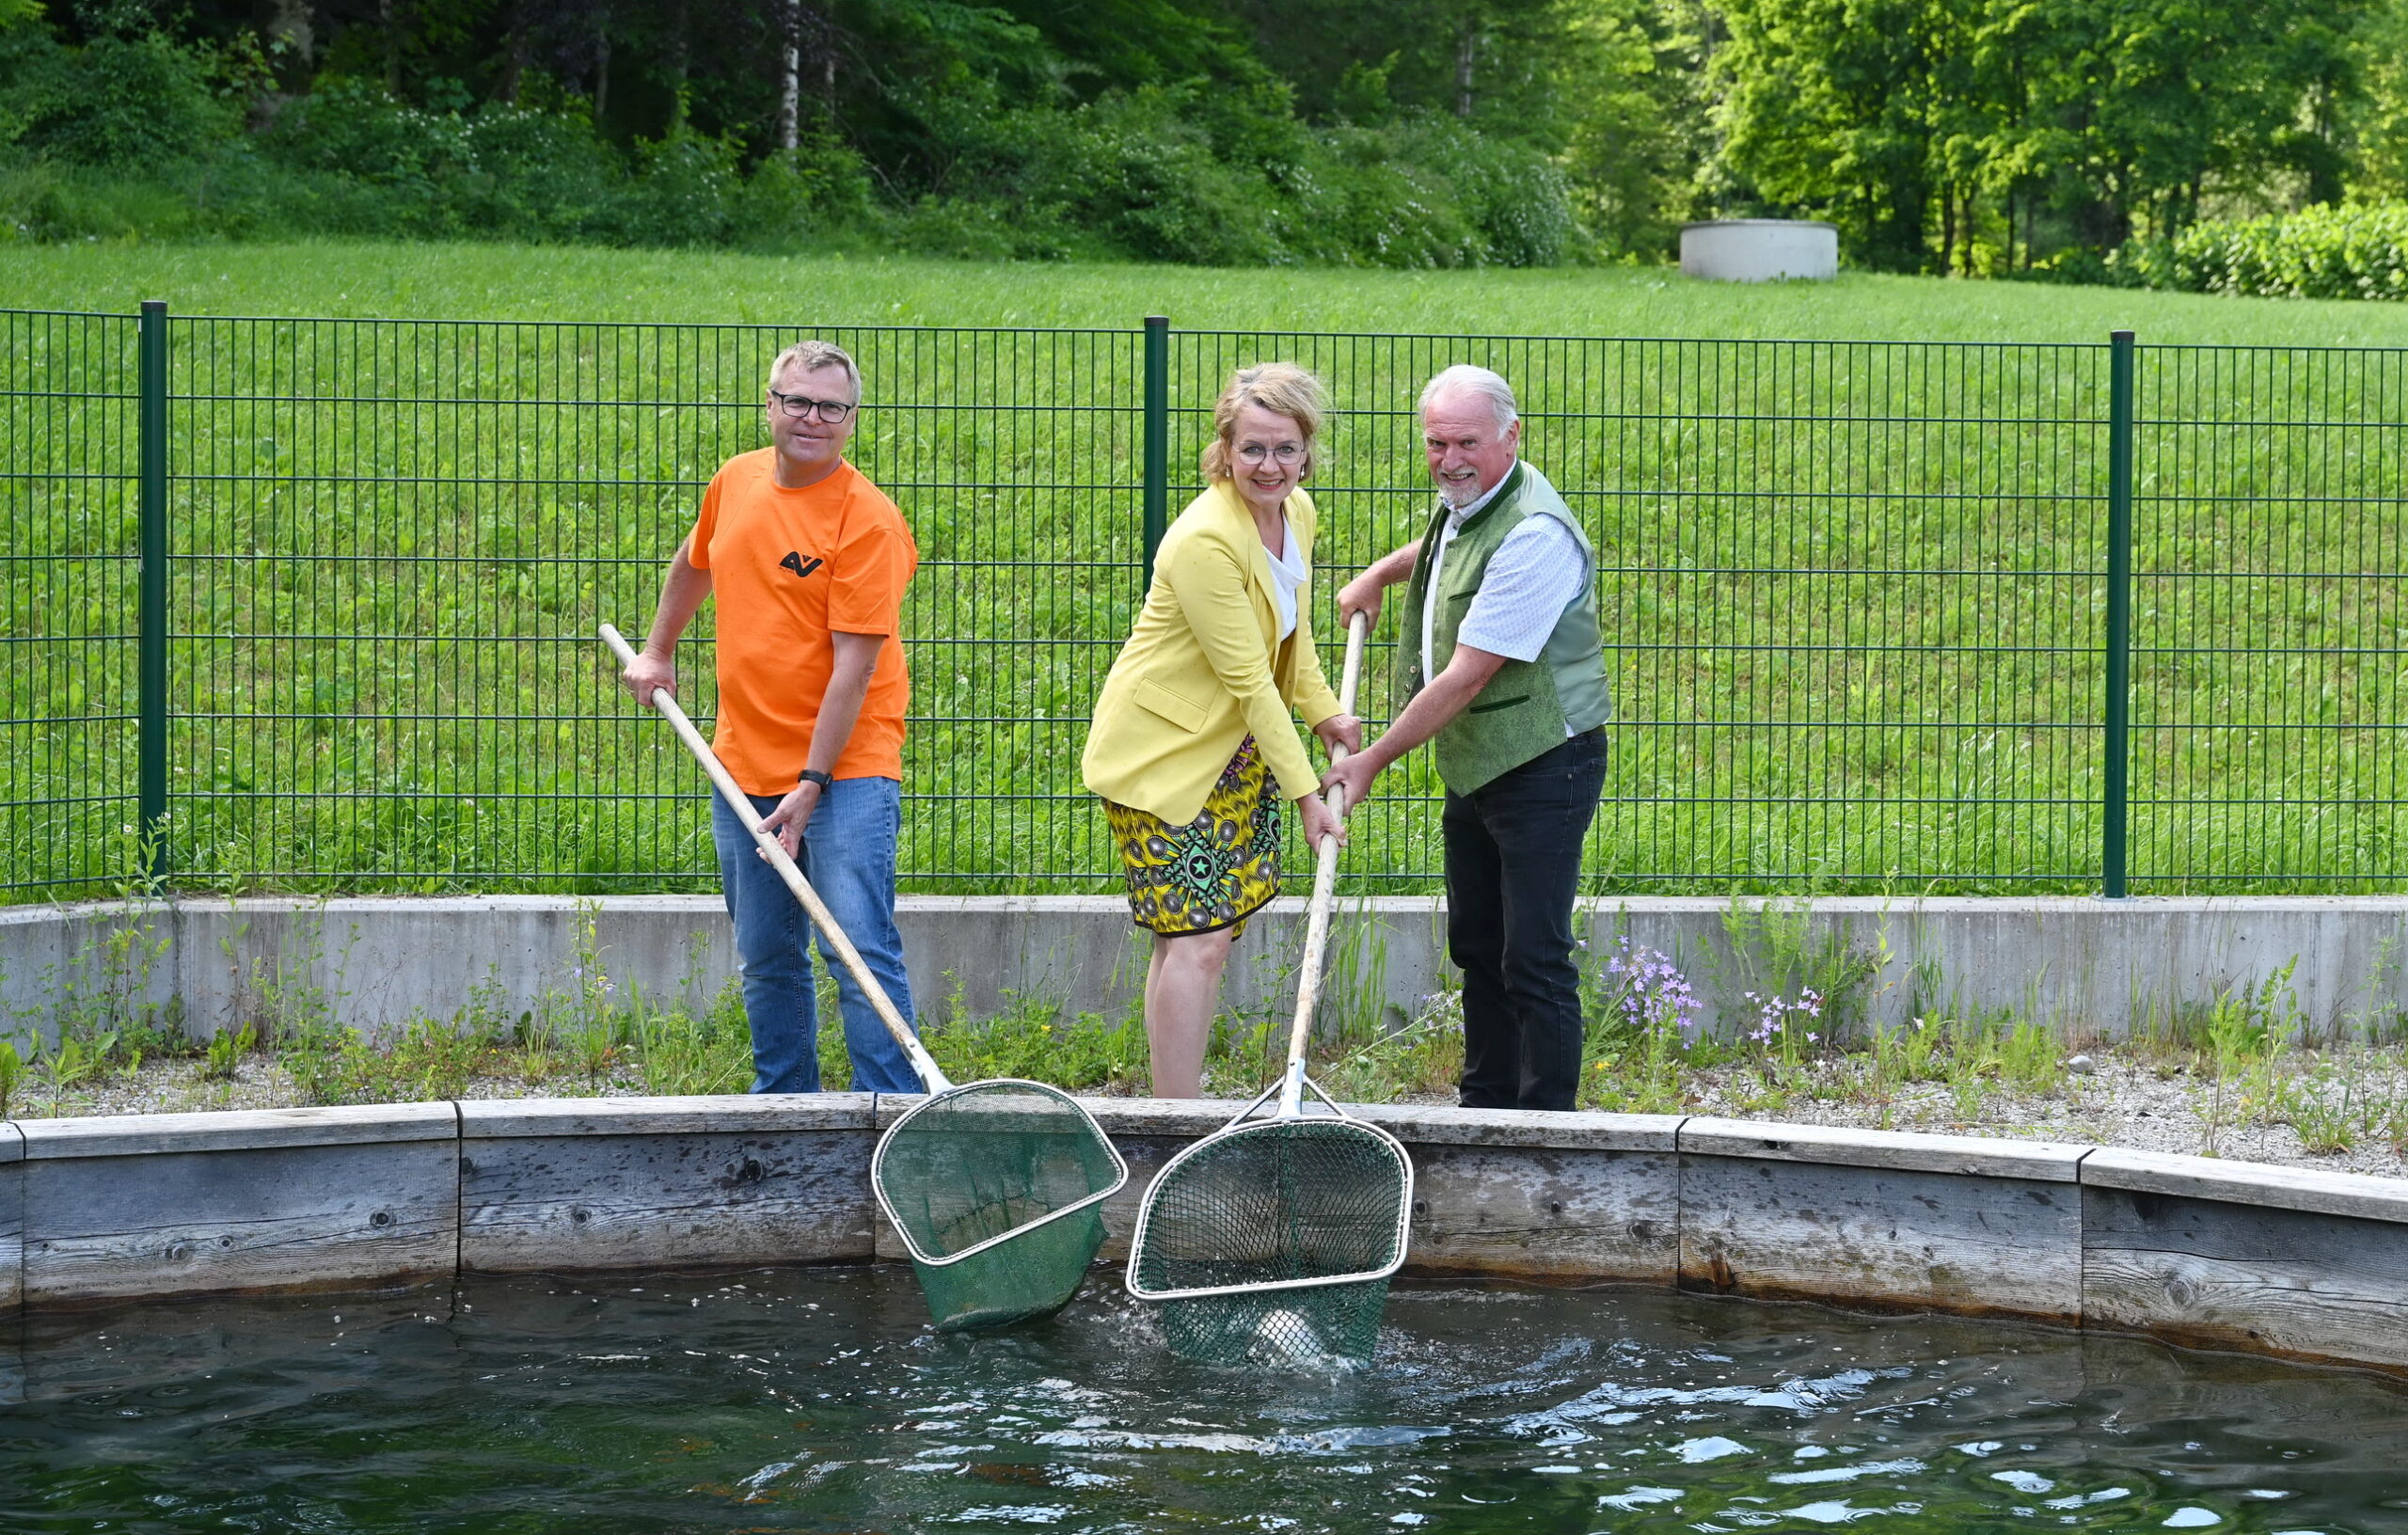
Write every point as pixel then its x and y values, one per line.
pixel 787 567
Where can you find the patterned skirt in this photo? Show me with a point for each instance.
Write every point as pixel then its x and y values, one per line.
pixel 1214 872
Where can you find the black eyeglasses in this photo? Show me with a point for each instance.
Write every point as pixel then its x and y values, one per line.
pixel 801 407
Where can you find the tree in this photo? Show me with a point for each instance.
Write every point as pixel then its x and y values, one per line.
pixel 1842 108
pixel 1901 119
pixel 1631 80
pixel 2373 117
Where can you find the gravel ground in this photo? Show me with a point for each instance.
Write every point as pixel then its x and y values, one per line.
pixel 2118 1102
pixel 177 1087
pixel 2123 1102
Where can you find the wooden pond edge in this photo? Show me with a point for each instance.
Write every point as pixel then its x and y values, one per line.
pixel 2291 1262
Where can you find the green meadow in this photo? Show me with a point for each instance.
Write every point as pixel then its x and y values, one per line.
pixel 1853 542
pixel 501 282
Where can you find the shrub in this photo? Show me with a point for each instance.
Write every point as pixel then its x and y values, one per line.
pixel 351 131
pixel 1515 198
pixel 115 102
pixel 797 196
pixel 51 203
pixel 1128 169
pixel 502 170
pixel 1147 174
pixel 682 194
pixel 129 140
pixel 533 175
pixel 2352 251
pixel 1358 204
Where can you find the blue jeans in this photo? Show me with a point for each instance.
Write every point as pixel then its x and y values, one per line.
pixel 848 857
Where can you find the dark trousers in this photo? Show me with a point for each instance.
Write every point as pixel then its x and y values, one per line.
pixel 1512 873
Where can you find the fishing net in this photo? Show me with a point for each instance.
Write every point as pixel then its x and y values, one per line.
pixel 1273 1242
pixel 997 1189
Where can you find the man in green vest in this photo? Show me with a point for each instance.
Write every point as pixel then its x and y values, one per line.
pixel 1506 678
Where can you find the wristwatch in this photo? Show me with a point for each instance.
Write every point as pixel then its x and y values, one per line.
pixel 812 775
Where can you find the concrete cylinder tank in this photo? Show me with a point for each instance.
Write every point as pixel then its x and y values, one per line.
pixel 1760 249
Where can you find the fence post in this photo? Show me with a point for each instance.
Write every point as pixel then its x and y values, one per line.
pixel 1157 440
pixel 2117 809
pixel 151 621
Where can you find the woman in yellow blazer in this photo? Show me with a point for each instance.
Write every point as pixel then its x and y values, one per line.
pixel 1194 746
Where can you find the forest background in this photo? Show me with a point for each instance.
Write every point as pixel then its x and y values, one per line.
pixel 2081 140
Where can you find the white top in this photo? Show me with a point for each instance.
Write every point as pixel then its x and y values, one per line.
pixel 1287 578
pixel 1537 571
pixel 1455 517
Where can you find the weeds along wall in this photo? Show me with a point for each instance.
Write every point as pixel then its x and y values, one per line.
pixel 310 604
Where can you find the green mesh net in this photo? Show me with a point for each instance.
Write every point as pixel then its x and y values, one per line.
pixel 1014 1165
pixel 1326 1326
pixel 1313 1206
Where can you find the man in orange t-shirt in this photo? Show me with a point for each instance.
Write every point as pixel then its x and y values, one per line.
pixel 808 561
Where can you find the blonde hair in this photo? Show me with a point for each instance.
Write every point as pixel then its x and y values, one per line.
pixel 811 356
pixel 1280 388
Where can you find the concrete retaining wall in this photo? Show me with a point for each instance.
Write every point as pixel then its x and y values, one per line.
pixel 2306 1265
pixel 2087 966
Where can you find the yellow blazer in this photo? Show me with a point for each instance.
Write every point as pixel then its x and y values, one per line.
pixel 1204 668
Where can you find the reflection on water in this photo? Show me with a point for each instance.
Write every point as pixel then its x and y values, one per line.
pixel 818 1400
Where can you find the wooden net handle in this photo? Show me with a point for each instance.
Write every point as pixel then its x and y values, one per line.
pixel 1325 881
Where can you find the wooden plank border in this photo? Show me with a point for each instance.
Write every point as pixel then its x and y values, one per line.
pixel 254 1200
pixel 2284 1261
pixel 1883 1220
pixel 564 1184
pixel 2279 1260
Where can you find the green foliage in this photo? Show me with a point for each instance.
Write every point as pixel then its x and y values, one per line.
pixel 1032 1041
pixel 12 1075
pixel 1190 151
pixel 1829 110
pixel 678 1052
pixel 2374 117
pixel 369 164
pixel 424 1061
pixel 1643 1025
pixel 1495 64
pixel 115 102
pixel 1422 1057
pixel 1636 129
pixel 2333 1108
pixel 795 195
pixel 1991 138
pixel 1150 173
pixel 1903 120
pixel 1777 951
pixel 2351 251
pixel 225 1050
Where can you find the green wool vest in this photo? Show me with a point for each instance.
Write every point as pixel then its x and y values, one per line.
pixel 1524 710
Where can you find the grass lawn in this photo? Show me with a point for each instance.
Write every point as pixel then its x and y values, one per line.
pixel 495 282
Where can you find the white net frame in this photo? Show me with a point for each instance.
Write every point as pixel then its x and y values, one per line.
pixel 903 1227
pixel 1246 1124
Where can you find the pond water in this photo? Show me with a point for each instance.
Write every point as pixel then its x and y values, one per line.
pixel 818 1400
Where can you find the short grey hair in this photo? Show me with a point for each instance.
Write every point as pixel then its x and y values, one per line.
pixel 1474 380
pixel 811 356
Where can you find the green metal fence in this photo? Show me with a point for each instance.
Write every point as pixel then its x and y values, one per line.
pixel 312 602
